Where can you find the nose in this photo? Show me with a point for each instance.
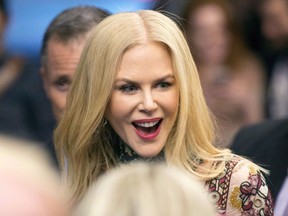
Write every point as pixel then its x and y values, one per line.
pixel 148 103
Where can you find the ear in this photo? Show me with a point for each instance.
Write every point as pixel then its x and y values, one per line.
pixel 43 74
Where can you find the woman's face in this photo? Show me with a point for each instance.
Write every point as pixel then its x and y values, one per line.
pixel 208 34
pixel 144 103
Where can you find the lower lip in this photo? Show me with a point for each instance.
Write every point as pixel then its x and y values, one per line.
pixel 150 136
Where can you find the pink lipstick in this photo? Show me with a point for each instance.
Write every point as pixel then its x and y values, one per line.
pixel 148 129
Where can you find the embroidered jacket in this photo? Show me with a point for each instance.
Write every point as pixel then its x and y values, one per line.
pixel 240 190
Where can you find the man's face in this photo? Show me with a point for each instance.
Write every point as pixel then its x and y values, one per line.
pixel 274 15
pixel 61 63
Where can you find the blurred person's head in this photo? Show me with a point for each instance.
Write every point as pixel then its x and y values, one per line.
pixel 141 189
pixel 274 18
pixel 62 45
pixel 211 31
pixel 29 183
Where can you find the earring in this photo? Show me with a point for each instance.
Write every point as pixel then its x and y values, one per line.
pixel 105 122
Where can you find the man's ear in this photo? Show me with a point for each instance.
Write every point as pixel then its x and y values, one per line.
pixel 43 74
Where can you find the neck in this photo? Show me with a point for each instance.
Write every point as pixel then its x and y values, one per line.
pixel 125 154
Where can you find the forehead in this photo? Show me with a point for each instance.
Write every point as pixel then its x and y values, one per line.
pixel 56 48
pixel 150 56
pixel 63 57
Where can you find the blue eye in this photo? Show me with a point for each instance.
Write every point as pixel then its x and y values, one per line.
pixel 163 85
pixel 128 89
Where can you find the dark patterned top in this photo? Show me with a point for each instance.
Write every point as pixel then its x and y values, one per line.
pixel 127 155
pixel 240 190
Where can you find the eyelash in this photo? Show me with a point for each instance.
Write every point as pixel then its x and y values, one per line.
pixel 128 88
pixel 164 85
pixel 62 84
pixel 131 88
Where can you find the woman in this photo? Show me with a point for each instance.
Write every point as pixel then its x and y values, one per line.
pixel 137 96
pixel 231 76
pixel 146 189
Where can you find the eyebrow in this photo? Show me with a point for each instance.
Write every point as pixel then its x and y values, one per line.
pixel 157 80
pixel 62 76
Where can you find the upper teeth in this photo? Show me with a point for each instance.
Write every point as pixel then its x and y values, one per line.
pixel 147 124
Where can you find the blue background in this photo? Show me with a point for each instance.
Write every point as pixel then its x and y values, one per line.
pixel 28 19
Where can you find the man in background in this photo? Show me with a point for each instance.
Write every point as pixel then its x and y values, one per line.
pixel 62 45
pixel 61 49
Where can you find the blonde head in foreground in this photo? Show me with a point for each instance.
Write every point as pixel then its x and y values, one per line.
pixel 146 189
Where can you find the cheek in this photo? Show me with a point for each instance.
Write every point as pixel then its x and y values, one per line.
pixel 121 106
pixel 58 99
pixel 117 109
pixel 170 103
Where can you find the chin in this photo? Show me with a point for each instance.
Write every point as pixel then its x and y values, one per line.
pixel 149 153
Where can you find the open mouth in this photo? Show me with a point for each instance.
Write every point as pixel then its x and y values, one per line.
pixel 146 128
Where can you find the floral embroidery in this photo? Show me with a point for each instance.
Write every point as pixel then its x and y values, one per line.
pixel 219 187
pixel 235 200
pixel 252 170
pixel 255 195
pixel 247 196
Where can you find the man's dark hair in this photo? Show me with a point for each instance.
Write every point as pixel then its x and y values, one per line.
pixel 71 24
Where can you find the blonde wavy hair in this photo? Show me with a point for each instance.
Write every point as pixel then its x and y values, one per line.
pixel 82 145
